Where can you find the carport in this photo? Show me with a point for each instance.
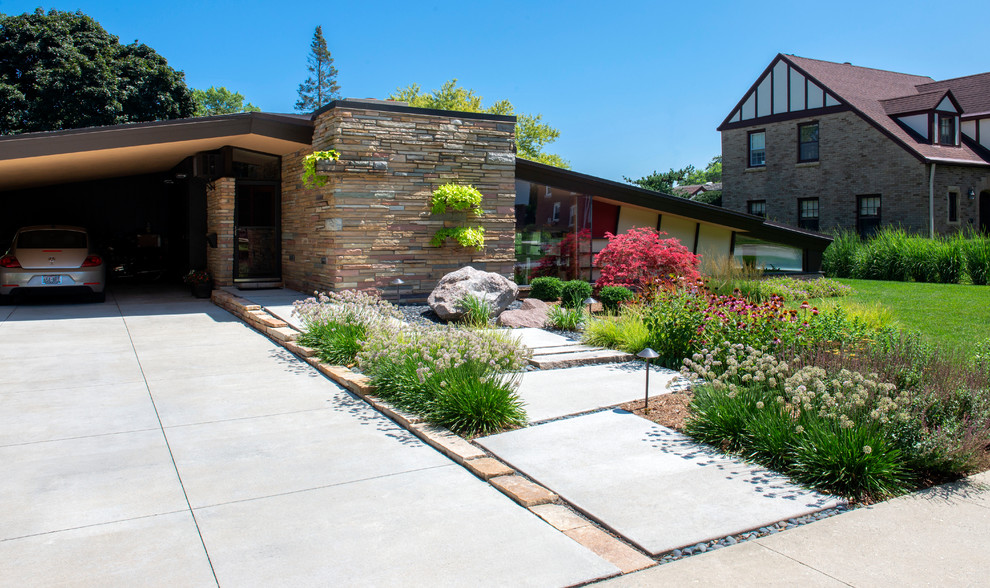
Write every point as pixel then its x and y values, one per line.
pixel 141 188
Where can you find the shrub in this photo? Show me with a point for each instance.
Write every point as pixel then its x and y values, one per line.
pixel 674 321
pixel 477 405
pixel 565 319
pixel 477 311
pixel 612 296
pixel 639 258
pixel 574 292
pixel 337 322
pixel 546 288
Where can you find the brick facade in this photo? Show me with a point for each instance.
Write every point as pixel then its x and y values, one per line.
pixel 220 220
pixel 371 224
pixel 855 159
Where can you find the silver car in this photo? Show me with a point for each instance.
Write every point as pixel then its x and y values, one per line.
pixel 52 258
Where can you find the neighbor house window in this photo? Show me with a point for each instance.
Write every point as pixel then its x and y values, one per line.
pixel 757 207
pixel 867 214
pixel 953 207
pixel 808 213
pixel 757 149
pixel 946 129
pixel 808 142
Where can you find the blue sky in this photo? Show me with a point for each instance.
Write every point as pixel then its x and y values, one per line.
pixel 632 86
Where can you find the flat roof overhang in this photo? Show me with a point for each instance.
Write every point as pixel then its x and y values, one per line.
pixel 619 193
pixel 43 159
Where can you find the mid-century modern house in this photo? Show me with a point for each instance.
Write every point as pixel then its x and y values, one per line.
pixel 226 193
pixel 824 145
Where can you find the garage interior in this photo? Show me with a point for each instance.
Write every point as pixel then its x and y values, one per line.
pixel 140 189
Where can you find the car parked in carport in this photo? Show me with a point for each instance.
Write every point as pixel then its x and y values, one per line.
pixel 52 259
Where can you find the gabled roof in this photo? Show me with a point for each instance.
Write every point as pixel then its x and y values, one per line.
pixel 876 95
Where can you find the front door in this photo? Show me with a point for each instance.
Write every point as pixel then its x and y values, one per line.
pixel 985 212
pixel 258 252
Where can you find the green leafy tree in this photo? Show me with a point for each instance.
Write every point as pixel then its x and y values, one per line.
pixel 62 70
pixel 213 101
pixel 711 173
pixel 664 182
pixel 321 87
pixel 532 134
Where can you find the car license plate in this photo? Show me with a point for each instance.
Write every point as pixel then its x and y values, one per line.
pixel 51 280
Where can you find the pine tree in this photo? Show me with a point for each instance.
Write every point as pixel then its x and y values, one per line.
pixel 321 86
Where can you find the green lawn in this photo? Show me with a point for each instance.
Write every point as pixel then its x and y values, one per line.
pixel 953 314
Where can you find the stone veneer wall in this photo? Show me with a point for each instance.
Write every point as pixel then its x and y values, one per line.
pixel 220 220
pixel 855 159
pixel 371 223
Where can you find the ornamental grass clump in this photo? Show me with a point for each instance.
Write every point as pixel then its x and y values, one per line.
pixel 477 311
pixel 455 378
pixel 336 322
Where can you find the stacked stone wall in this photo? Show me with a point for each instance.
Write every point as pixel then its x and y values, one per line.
pixel 220 221
pixel 372 223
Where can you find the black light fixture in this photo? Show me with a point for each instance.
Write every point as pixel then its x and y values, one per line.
pixel 397 282
pixel 971 193
pixel 647 354
pixel 588 302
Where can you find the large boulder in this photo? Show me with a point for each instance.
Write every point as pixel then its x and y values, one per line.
pixel 495 288
pixel 532 313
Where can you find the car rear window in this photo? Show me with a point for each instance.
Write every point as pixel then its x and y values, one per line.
pixel 51 239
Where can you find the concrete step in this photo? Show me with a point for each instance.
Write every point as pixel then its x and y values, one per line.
pixel 564 349
pixel 565 360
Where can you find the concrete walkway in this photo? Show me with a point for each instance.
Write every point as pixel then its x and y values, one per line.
pixel 156 440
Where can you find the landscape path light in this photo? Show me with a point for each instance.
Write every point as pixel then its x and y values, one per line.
pixel 397 282
pixel 588 302
pixel 647 354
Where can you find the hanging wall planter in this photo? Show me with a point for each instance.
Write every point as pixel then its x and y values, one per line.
pixel 458 198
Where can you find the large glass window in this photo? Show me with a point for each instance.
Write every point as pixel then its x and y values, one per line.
pixel 757 149
pixel 769 256
pixel 549 242
pixel 757 207
pixel 946 129
pixel 808 213
pixel 808 142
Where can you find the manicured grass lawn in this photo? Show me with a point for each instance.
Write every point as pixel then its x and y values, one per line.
pixel 953 314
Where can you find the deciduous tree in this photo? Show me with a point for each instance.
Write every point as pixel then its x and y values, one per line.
pixel 214 101
pixel 62 70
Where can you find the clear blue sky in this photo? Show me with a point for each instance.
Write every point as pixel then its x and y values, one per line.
pixel 632 86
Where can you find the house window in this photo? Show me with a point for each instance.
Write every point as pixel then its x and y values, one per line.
pixel 572 216
pixel 867 214
pixel 757 149
pixel 953 207
pixel 808 213
pixel 556 213
pixel 946 129
pixel 757 207
pixel 808 142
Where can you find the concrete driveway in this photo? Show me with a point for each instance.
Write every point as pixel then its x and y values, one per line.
pixel 156 440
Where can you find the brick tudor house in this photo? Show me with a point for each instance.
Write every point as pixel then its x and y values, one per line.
pixel 824 145
pixel 226 193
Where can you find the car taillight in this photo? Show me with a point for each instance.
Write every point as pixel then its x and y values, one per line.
pixel 9 261
pixel 92 261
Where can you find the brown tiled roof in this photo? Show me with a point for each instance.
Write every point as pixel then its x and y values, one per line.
pixel 865 89
pixel 915 103
pixel 972 92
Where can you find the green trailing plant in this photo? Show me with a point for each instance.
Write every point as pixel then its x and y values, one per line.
pixel 466 236
pixel 565 319
pixel 574 293
pixel 612 296
pixel 477 311
pixel 546 288
pixel 309 177
pixel 456 197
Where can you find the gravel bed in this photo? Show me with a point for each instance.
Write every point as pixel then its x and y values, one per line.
pixel 773 529
pixel 419 314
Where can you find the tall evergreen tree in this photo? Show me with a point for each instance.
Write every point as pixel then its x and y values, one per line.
pixel 321 87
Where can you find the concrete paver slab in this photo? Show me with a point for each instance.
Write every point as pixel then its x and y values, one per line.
pixel 45 415
pixel 210 361
pixel 746 565
pixel 916 540
pixel 61 485
pixel 648 483
pixel 558 393
pixel 537 338
pixel 203 399
pixel 46 372
pixel 163 550
pixel 391 531
pixel 221 462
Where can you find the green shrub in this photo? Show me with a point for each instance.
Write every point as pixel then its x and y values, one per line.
pixel 673 320
pixel 837 260
pixel 565 319
pixel 477 405
pixel 574 293
pixel 546 288
pixel 477 311
pixel 612 296
pixel 721 418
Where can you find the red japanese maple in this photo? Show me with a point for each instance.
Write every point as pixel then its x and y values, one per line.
pixel 641 257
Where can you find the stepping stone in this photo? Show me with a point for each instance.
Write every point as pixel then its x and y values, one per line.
pixel 564 360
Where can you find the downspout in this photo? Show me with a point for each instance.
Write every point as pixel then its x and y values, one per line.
pixel 931 202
